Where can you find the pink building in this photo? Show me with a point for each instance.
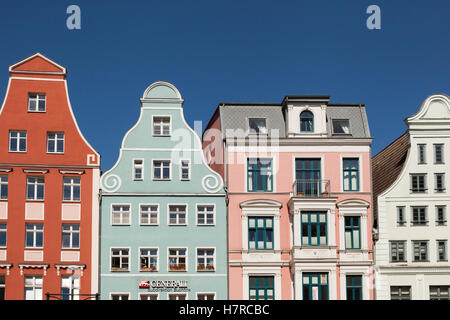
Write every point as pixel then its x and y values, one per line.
pixel 298 176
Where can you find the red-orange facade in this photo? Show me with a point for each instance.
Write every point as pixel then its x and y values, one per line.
pixel 49 187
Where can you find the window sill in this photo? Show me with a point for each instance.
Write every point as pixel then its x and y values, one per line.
pixel 71 201
pixel 120 270
pixel 33 200
pixel 55 153
pixel 11 151
pixel 177 225
pixel 70 249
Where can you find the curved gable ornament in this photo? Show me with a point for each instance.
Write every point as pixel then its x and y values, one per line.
pixel 110 183
pixel 430 108
pixel 162 91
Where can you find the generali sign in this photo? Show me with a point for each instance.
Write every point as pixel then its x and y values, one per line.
pixel 164 285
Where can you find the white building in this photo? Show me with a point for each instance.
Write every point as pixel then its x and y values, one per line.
pixel 410 179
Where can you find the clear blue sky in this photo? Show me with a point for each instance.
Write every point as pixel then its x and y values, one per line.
pixel 248 50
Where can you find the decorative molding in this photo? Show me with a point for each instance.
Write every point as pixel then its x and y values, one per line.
pixel 64 171
pixel 6 169
pixel 73 267
pixel 33 266
pixel 111 182
pixel 7 266
pixel 42 171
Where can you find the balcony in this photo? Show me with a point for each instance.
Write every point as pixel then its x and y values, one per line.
pixel 313 188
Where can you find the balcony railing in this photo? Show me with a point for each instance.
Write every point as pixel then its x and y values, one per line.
pixel 312 188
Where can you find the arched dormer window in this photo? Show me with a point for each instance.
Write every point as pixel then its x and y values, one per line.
pixel 306 121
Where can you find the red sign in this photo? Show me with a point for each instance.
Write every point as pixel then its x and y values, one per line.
pixel 144 284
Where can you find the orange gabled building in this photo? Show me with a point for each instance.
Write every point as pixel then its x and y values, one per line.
pixel 49 189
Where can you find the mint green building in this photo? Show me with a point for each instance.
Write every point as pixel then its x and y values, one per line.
pixel 163 210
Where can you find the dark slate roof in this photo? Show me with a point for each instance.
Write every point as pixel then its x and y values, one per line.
pixel 356 114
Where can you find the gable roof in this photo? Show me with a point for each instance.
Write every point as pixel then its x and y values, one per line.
pixel 37 64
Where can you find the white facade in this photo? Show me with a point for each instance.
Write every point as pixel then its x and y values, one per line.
pixel 410 210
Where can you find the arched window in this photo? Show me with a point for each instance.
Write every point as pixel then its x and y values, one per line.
pixel 306 121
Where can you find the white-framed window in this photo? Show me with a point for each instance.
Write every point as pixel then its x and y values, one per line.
pixel 149 214
pixel 3 233
pixel 439 153
pixel 206 259
pixel 418 182
pixel 419 215
pixel 257 125
pixel 439 292
pixel 17 141
pixel 70 287
pixel 185 170
pixel 33 287
pixel 206 214
pixel 177 296
pixel 421 154
pixel 138 169
pixel 420 250
pixel 70 236
pixel 120 296
pixel 161 169
pixel 177 214
pixel 206 296
pixel 148 296
pixel 34 235
pixel 177 259
pixel 120 259
pixel 120 214
pixel 441 250
pixel 401 216
pixel 71 188
pixel 439 182
pixel 35 188
pixel 36 102
pixel 55 142
pixel 441 219
pixel 3 187
pixel 161 126
pixel 148 258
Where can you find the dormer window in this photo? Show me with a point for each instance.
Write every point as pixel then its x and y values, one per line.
pixel 257 125
pixel 306 121
pixel 341 126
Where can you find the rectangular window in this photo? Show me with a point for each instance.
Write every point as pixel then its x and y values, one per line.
pixel 149 214
pixel 120 214
pixel 352 233
pixel 177 215
pixel 70 287
pixel 260 233
pixel 206 296
pixel 259 175
pixel 206 215
pixel 398 251
pixel 17 141
pixel 138 169
pixel 441 250
pixel 400 293
pixel 120 258
pixel 177 296
pixel 36 102
pixel 35 188
pixel 205 260
pixel 341 126
pixel 34 235
pixel 420 251
pixel 3 187
pixel 33 287
pixel 161 170
pixel 261 288
pixel 439 292
pixel 439 185
pixel 438 153
pixel 257 125
pixel 314 228
pixel 315 286
pixel 308 175
pixel 149 259
pixel 71 236
pixel 421 153
pixel 55 142
pixel 351 174
pixel 2 287
pixel 354 287
pixel 3 233
pixel 401 217
pixel 120 296
pixel 148 296
pixel 161 126
pixel 177 259
pixel 418 183
pixel 71 189
pixel 441 218
pixel 419 216
pixel 185 170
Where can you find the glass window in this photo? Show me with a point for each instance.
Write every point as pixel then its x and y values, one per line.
pixel 260 233
pixel 352 233
pixel 400 293
pixel 306 121
pixel 419 215
pixel 206 296
pixel 177 215
pixel 308 175
pixel 441 215
pixel 120 259
pixel 439 292
pixel 4 187
pixel 161 126
pixel 398 251
pixel 2 287
pixel 177 259
pixel 205 214
pixel 418 182
pixel 185 170
pixel 442 250
pixel 17 141
pixel 354 287
pixel 315 286
pixel 149 259
pixel 314 228
pixel 420 250
pixel 177 296
pixel 70 287
pixel 120 214
pixel 341 126
pixel 35 188
pixel 36 102
pixel 3 233
pixel 33 287
pixel 439 179
pixel 438 153
pixel 261 288
pixel 161 169
pixel 257 125
pixel 70 236
pixel 55 142
pixel 149 214
pixel 138 169
pixel 401 218
pixel 148 296
pixel 71 188
pixel 34 235
pixel 120 296
pixel 421 153
pixel 351 174
pixel 259 175
pixel 205 260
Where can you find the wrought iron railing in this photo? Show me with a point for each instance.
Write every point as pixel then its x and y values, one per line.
pixel 313 188
pixel 72 296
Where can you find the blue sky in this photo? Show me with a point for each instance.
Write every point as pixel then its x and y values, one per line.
pixel 248 50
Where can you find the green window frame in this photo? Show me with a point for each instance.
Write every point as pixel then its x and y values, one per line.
pixel 354 287
pixel 261 288
pixel 352 231
pixel 260 233
pixel 306 121
pixel 350 174
pixel 308 175
pixel 315 286
pixel 314 231
pixel 259 175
